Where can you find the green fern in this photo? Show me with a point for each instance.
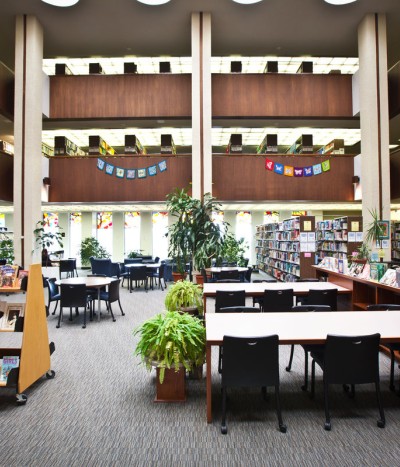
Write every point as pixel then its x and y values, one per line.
pixel 171 340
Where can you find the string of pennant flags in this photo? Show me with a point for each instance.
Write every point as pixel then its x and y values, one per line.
pixel 131 174
pixel 291 171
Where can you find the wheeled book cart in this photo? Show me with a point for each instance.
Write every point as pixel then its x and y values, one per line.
pixel 31 343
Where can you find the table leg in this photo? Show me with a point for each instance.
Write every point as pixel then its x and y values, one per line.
pixel 204 304
pixel 208 384
pixel 98 303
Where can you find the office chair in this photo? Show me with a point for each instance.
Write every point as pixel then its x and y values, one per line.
pixel 224 275
pixel 54 293
pixel 74 296
pixel 250 362
pixel 111 296
pixel 348 360
pixel 277 300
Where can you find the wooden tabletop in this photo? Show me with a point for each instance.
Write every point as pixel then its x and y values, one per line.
pixel 90 281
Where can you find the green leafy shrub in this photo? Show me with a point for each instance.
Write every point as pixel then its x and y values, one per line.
pixel 171 340
pixel 90 246
pixel 184 294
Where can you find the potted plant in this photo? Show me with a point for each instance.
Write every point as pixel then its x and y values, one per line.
pixel 362 255
pixel 46 238
pixel 233 250
pixel 185 296
pixel 90 246
pixel 172 342
pixel 375 232
pixel 6 248
pixel 193 237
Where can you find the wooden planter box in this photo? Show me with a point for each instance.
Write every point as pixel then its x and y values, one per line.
pixel 173 387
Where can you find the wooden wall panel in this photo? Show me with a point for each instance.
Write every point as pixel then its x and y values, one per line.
pixel 241 178
pixel 6 177
pixel 79 180
pixel 120 96
pixel 281 95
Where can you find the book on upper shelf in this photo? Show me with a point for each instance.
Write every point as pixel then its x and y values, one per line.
pixel 21 274
pixel 389 278
pixel 7 364
pixel 3 312
pixel 8 275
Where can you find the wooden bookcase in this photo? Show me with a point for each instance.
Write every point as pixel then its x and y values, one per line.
pixel 31 345
pixel 338 237
pixel 396 242
pixel 282 254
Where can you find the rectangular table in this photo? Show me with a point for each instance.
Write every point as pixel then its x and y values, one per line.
pixel 296 328
pixel 256 289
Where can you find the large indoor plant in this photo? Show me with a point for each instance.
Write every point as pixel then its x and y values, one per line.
pixel 174 343
pixel 186 296
pixel 194 237
pixel 375 232
pixel 90 246
pixel 46 238
pixel 233 250
pixel 6 248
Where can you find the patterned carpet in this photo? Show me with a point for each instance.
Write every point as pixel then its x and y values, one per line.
pixel 99 411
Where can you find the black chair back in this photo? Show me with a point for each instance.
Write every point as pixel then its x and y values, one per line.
pixel 323 297
pixel 277 300
pixel 250 361
pixel 308 279
pixel 73 295
pixel 53 289
pixel 383 307
pixel 113 291
pixel 101 266
pixel 67 266
pixel 225 298
pixel 269 281
pixel 234 274
pixel 311 308
pixel 239 309
pixel 138 273
pixel 247 274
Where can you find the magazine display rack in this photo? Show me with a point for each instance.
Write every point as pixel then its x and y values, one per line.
pixel 31 345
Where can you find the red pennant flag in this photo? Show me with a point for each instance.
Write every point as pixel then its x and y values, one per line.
pixel 269 165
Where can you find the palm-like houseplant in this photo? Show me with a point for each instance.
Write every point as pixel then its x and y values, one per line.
pixel 172 342
pixel 193 236
pixel 375 232
pixel 46 238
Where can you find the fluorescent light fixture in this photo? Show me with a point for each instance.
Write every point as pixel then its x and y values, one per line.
pixel 62 3
pixel 247 2
pixel 154 2
pixel 340 2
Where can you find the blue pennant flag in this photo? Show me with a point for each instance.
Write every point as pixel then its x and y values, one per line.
pixel 109 169
pixel 120 172
pixel 130 174
pixel 152 170
pixel 308 171
pixel 317 169
pixel 141 173
pixel 162 166
pixel 100 164
pixel 278 168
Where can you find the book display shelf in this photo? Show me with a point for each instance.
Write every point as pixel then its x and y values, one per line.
pixel 98 146
pixel 338 238
pixel 396 242
pixel 65 147
pixel 31 345
pixel 287 249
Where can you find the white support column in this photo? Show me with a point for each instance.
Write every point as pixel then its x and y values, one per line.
pixel 146 232
pixel 27 137
pixel 201 105
pixel 118 236
pixel 374 118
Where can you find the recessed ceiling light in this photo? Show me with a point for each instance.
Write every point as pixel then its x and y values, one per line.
pixel 247 2
pixel 62 3
pixel 340 2
pixel 154 2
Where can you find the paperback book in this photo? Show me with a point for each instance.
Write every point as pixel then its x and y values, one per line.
pixel 7 365
pixel 8 275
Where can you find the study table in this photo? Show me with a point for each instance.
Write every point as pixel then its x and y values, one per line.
pixel 152 266
pixel 296 328
pixel 92 282
pixel 256 289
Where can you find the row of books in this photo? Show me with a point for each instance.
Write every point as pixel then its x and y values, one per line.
pixel 285 256
pixel 11 276
pixel 7 363
pixel 283 245
pixel 291 268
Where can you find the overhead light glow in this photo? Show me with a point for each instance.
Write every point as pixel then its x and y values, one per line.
pixel 154 2
pixel 340 2
pixel 247 2
pixel 62 3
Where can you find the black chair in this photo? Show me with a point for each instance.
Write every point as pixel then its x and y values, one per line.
pixel 247 274
pixel 306 347
pixel 225 298
pixel 392 347
pixel 111 296
pixel 239 309
pixel 277 300
pixel 250 362
pixel 204 275
pixel 101 266
pixel 67 266
pixel 228 281
pixel 54 293
pixel 259 300
pixel 74 296
pixel 234 274
pixel 348 360
pixel 75 268
pixel 322 297
pixel 160 275
pixel 138 274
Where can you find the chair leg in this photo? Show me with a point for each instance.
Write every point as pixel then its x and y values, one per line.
pixel 305 385
pixel 282 426
pixel 59 318
pixel 381 422
pixel 289 367
pixel 391 384
pixel 110 310
pixel 70 313
pixel 55 308
pixel 312 380
pixel 84 319
pixel 220 359
pixel 120 307
pixel 327 425
pixel 224 428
